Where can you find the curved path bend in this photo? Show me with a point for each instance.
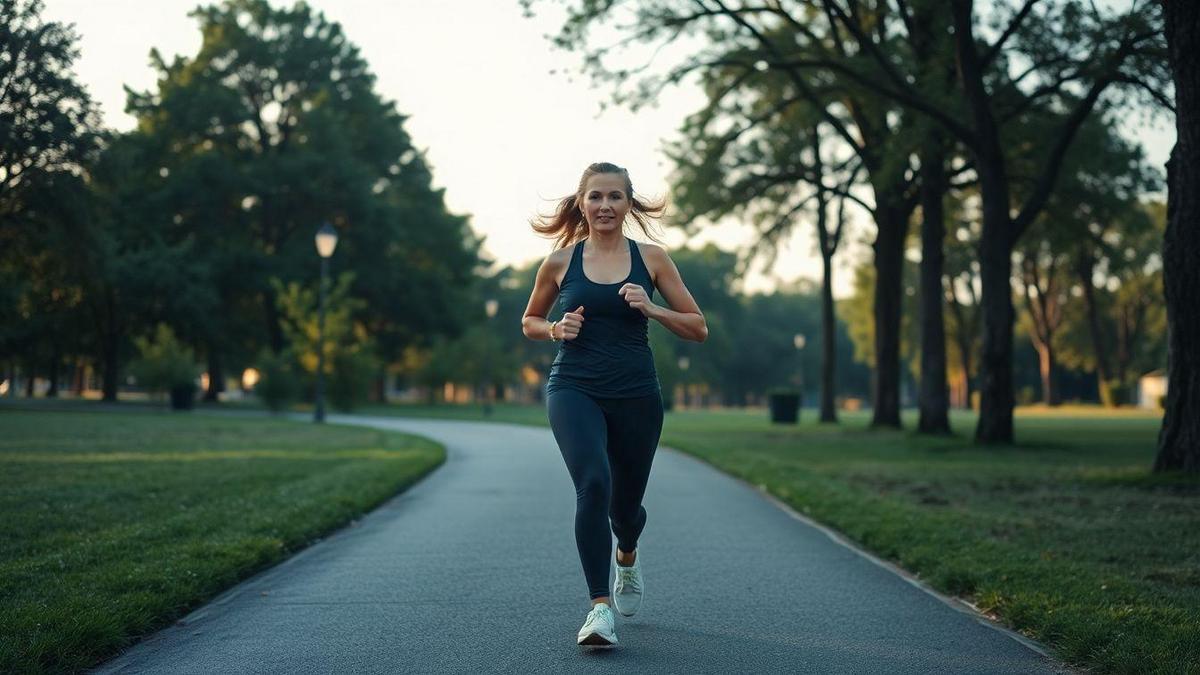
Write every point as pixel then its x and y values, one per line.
pixel 474 570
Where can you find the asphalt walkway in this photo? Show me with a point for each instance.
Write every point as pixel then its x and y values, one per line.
pixel 474 569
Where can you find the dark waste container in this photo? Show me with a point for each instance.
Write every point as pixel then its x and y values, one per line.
pixel 785 407
pixel 183 396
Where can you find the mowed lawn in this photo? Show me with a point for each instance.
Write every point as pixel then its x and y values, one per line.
pixel 114 524
pixel 1066 536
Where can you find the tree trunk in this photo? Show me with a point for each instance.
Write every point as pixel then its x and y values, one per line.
pixel 962 337
pixel 1044 317
pixel 53 370
pixel 379 386
pixel 1046 368
pixel 933 399
pixel 828 246
pixel 216 375
pixel 828 345
pixel 996 243
pixel 1179 439
pixel 274 327
pixel 79 377
pixel 995 363
pixel 1085 265
pixel 111 342
pixel 892 225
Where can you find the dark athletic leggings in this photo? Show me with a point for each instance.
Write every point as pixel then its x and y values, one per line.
pixel 608 445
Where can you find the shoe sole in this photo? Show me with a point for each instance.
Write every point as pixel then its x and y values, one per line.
pixel 597 640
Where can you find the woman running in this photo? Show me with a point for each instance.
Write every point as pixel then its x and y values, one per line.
pixel 603 397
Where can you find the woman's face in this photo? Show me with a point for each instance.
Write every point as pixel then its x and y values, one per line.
pixel 605 203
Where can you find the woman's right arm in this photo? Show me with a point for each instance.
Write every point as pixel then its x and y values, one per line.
pixel 534 324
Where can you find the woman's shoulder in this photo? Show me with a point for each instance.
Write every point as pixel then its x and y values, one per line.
pixel 560 256
pixel 555 265
pixel 652 254
pixel 654 257
pixel 647 248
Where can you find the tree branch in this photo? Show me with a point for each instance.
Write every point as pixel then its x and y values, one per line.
pixel 796 80
pixel 1013 25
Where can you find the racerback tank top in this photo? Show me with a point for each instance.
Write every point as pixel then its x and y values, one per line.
pixel 611 357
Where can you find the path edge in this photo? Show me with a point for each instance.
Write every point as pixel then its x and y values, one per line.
pixel 954 602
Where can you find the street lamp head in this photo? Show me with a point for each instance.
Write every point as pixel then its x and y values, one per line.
pixel 490 307
pixel 799 340
pixel 326 240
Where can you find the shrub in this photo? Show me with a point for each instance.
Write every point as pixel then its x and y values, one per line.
pixel 1117 393
pixel 278 385
pixel 165 364
pixel 350 382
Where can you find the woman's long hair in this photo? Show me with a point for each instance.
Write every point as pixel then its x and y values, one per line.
pixel 567 224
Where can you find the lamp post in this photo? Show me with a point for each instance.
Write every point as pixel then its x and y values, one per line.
pixel 326 241
pixel 799 342
pixel 683 366
pixel 490 307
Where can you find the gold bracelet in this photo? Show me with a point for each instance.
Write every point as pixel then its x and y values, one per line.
pixel 552 325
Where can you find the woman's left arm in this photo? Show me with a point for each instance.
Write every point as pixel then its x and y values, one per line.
pixel 683 318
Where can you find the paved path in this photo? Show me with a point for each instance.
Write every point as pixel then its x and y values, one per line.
pixel 474 570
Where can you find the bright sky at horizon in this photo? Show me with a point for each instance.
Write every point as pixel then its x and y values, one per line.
pixel 503 133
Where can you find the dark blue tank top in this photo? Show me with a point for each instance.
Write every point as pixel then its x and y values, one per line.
pixel 611 358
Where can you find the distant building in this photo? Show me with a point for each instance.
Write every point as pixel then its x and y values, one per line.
pixel 1152 387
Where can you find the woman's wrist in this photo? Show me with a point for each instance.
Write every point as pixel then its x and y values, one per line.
pixel 551 327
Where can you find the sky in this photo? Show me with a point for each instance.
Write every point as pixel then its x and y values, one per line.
pixel 503 122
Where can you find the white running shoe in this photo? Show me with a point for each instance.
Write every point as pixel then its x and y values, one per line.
pixel 599 629
pixel 627 590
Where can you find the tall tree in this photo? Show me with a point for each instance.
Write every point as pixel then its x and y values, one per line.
pixel 47 120
pixel 1075 55
pixel 1095 227
pixel 273 127
pixel 139 273
pixel 1045 281
pixel 48 134
pixel 1123 324
pixel 1179 439
pixel 746 44
pixel 929 41
pixel 775 175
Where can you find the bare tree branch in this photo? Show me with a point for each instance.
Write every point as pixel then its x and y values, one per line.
pixel 1013 25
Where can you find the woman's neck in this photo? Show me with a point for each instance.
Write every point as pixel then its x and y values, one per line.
pixel 606 242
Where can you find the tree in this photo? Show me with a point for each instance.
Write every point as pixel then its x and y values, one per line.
pixel 273 127
pixel 1179 438
pixel 746 47
pixel 48 122
pixel 775 175
pixel 1123 324
pixel 1076 57
pixel 855 312
pixel 42 321
pixel 48 135
pixel 1095 229
pixel 1045 280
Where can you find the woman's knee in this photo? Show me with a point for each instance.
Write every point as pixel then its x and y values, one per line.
pixel 594 489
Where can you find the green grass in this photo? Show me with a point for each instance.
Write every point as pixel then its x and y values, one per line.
pixel 1066 536
pixel 113 525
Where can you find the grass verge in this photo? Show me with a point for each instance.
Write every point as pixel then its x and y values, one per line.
pixel 1066 537
pixel 112 525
